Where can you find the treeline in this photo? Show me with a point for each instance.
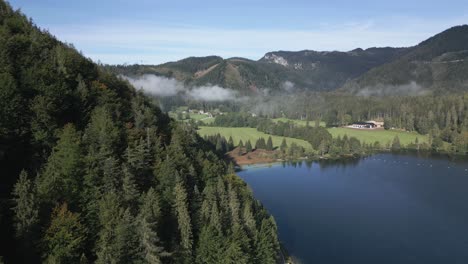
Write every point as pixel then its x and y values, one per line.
pixel 284 151
pixel 443 117
pixel 238 119
pixel 223 145
pixel 92 171
pixel 319 138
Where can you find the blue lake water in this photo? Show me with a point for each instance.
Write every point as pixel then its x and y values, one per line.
pixel 381 209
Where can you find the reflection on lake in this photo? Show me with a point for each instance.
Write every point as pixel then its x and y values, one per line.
pixel 382 209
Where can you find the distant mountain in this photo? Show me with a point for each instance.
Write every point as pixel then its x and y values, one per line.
pixel 329 70
pixel 311 70
pixel 438 64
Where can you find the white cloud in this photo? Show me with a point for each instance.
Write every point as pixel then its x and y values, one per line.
pixel 212 93
pixel 156 85
pixel 162 86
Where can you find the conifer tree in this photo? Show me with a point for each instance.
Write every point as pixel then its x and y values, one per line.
pixel 234 207
pixel 139 162
pixel 147 225
pixel 62 176
pixel 26 207
pixel 118 239
pixel 248 146
pixel 183 218
pixel 219 145
pixel 210 246
pixel 269 144
pixel 65 237
pixel 129 190
pixel 266 244
pixel 215 218
pixel 230 143
pixel 284 145
pixel 101 136
pixel 231 169
pixel 249 220
pixel 234 254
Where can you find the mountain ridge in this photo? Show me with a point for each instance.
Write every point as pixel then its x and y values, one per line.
pixel 435 64
pixel 321 71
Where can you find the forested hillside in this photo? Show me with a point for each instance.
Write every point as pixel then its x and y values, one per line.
pixel 276 71
pixel 92 171
pixel 438 64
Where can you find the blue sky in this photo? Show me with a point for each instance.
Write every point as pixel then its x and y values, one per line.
pixel 154 31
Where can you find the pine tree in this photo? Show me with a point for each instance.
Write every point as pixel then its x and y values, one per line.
pixel 102 136
pixel 210 246
pixel 130 190
pixel 139 162
pixel 26 207
pixel 231 169
pixel 219 145
pixel 111 175
pixel 249 220
pixel 234 207
pixel 183 218
pixel 258 144
pixel 215 218
pixel 262 143
pixel 62 176
pixel 65 237
pixel 269 145
pixel 147 225
pixel 118 239
pixel 240 148
pixel 284 145
pixel 230 143
pixel 248 146
pixel 266 244
pixel 234 254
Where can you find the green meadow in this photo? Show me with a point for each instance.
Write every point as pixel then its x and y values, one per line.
pixel 383 136
pixel 367 136
pixel 247 133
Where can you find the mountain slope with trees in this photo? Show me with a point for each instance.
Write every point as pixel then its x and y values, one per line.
pixel 438 64
pixel 92 171
pixel 276 71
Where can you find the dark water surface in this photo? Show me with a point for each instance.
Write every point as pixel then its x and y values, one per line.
pixel 382 209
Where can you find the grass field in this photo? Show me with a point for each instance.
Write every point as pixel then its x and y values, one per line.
pixel 197 117
pixel 383 136
pixel 247 133
pixel 368 136
pixel 297 122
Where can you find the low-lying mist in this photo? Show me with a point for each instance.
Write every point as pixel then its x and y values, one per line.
pixel 379 90
pixel 163 87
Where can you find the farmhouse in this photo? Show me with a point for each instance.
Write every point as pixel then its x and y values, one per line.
pixel 367 125
pixel 376 123
pixel 363 125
